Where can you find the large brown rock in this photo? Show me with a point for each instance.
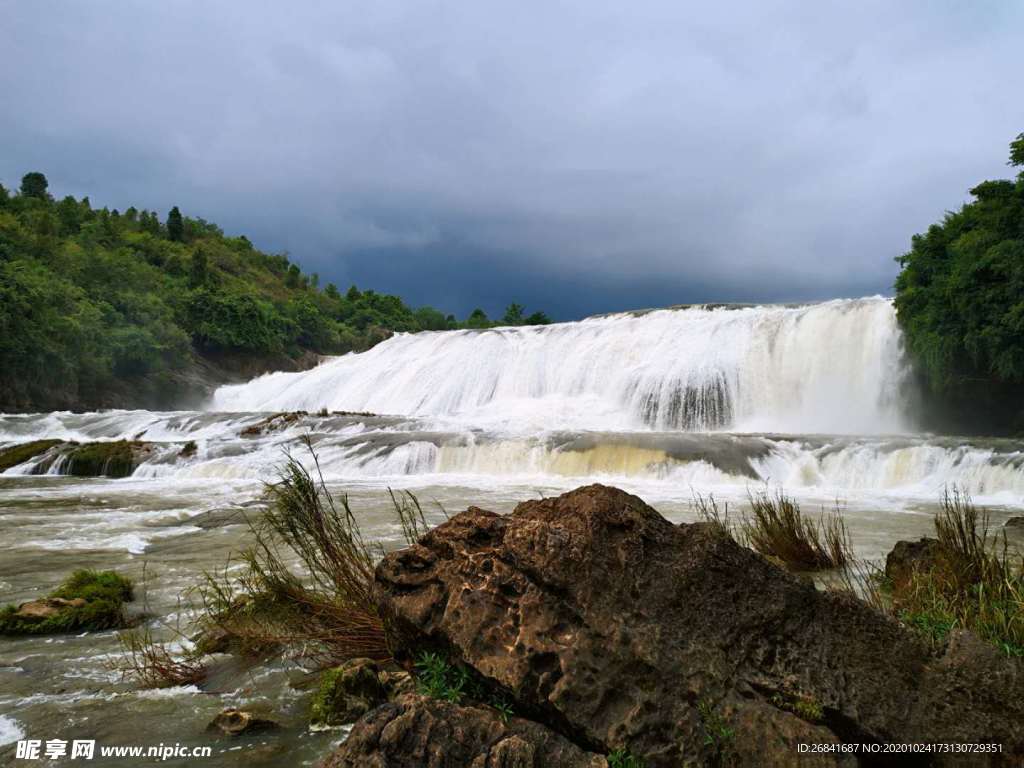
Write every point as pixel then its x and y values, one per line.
pixel 617 628
pixel 417 732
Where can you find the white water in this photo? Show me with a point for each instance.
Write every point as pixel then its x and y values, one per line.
pixel 826 368
pixel 668 401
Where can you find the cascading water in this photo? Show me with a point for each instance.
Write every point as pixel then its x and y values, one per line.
pixel 807 397
pixel 833 367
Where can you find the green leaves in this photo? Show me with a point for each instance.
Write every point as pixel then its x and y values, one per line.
pixel 960 302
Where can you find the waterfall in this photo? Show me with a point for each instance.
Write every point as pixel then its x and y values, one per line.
pixel 833 367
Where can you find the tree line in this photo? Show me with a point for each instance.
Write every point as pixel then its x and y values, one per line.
pixel 92 300
pixel 960 303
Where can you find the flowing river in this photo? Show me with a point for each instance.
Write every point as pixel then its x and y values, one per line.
pixel 666 404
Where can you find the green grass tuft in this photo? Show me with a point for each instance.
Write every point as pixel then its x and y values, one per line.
pixel 104 593
pixel 623 758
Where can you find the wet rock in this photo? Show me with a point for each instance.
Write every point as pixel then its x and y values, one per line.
pixel 235 722
pixel 273 423
pixel 908 557
pixel 47 607
pixel 188 449
pixel 418 732
pixel 19 454
pixel 346 693
pixel 618 629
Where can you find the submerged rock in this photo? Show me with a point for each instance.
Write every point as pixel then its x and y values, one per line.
pixel 235 722
pixel 19 454
pixel 618 629
pixel 418 732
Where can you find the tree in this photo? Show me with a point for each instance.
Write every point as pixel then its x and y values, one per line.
pixel 293 277
pixel 199 271
pixel 1017 151
pixel 175 226
pixel 478 319
pixel 34 184
pixel 513 315
pixel 537 318
pixel 960 304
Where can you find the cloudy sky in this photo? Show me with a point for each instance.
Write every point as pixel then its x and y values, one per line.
pixel 573 156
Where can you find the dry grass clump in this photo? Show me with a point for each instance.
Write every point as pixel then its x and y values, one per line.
pixel 973 581
pixel 306 582
pixel 152 665
pixel 777 528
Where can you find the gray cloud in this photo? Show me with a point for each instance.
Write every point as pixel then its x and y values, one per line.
pixel 581 156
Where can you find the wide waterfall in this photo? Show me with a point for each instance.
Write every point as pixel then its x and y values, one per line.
pixel 833 367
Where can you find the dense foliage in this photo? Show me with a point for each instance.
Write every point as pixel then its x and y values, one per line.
pixel 95 302
pixel 960 302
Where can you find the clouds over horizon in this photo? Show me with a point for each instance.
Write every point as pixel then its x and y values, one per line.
pixel 579 157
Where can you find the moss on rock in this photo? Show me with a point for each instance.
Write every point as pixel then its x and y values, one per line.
pixel 87 600
pixel 19 454
pixel 105 459
pixel 346 693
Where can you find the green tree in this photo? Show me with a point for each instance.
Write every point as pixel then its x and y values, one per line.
pixel 199 271
pixel 537 318
pixel 175 225
pixel 513 315
pixel 34 184
pixel 960 303
pixel 478 319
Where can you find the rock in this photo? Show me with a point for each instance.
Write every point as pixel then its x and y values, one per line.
pixel 397 682
pixel 47 607
pixel 346 693
pixel 418 732
pixel 1015 523
pixel 235 722
pixel 907 557
pixel 619 629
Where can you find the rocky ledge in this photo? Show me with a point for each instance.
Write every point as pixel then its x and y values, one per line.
pixel 619 637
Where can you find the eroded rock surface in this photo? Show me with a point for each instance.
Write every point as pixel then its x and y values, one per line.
pixel 417 732
pixel 616 628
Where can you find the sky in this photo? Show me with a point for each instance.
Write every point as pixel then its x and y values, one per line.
pixel 575 157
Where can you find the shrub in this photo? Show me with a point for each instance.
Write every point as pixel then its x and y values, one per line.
pixel 777 528
pixel 972 583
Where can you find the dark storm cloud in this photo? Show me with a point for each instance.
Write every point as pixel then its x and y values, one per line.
pixel 580 157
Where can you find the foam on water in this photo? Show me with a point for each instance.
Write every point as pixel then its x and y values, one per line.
pixel 10 730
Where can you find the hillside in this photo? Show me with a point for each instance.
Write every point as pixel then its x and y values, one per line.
pixel 101 308
pixel 960 303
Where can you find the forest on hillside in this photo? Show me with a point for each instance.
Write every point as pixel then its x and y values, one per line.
pixel 102 308
pixel 960 303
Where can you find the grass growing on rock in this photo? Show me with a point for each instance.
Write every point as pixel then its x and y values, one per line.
pixel 85 601
pixel 623 758
pixel 440 679
pixel 973 582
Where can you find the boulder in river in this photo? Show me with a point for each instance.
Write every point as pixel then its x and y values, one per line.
pixel 616 629
pixel 347 692
pixel 235 722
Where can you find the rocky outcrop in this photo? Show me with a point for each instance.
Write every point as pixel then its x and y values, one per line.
pixel 417 732
pixel 908 557
pixel 618 629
